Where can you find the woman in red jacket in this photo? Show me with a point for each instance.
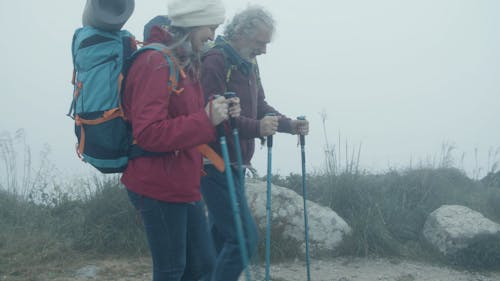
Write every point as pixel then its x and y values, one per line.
pixel 173 122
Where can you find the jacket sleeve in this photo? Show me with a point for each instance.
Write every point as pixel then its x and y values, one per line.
pixel 154 127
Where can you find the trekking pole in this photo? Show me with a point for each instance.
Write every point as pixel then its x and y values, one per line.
pixel 304 195
pixel 237 146
pixel 268 203
pixel 234 202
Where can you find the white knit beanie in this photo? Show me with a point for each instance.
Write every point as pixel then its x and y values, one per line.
pixel 190 13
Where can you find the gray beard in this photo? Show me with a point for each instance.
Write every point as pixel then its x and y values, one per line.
pixel 245 54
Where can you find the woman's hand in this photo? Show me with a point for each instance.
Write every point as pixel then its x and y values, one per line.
pixel 217 110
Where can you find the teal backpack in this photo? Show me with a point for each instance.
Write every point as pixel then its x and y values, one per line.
pixel 101 60
pixel 102 132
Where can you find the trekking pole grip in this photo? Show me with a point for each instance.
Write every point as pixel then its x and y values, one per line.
pixel 219 129
pixel 232 120
pixel 301 136
pixel 270 137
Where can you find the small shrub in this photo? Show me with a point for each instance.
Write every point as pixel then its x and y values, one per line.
pixel 387 212
pixel 483 253
pixel 492 179
pixel 110 224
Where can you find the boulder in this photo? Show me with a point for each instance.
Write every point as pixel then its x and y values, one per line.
pixel 326 228
pixel 452 228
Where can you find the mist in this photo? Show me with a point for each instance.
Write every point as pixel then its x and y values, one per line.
pixel 402 82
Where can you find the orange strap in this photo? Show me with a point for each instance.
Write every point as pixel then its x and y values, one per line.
pixel 173 78
pixel 177 91
pixel 214 158
pixel 182 73
pixel 106 116
pixel 120 81
pixel 79 150
pixel 120 106
pixel 76 92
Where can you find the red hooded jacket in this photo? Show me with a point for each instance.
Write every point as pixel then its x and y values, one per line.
pixel 163 121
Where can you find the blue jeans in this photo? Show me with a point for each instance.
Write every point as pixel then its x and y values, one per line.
pixel 214 188
pixel 177 235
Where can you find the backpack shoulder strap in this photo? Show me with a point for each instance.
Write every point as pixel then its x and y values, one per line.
pixel 175 70
pixel 257 72
pixel 230 66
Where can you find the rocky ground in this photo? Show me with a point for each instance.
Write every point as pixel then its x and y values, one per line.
pixel 339 269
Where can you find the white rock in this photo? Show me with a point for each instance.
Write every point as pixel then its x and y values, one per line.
pixel 453 227
pixel 88 272
pixel 326 228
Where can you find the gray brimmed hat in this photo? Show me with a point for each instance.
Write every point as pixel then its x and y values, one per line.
pixel 108 15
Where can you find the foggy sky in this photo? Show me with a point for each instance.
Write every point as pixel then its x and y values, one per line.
pixel 399 78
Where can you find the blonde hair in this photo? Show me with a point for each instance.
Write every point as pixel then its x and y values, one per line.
pixel 181 48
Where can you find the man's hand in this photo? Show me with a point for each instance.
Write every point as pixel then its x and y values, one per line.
pixel 234 107
pixel 300 127
pixel 268 125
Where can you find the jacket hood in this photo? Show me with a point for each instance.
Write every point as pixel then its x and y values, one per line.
pixel 159 34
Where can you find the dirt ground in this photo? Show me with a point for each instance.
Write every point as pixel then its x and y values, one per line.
pixel 339 269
